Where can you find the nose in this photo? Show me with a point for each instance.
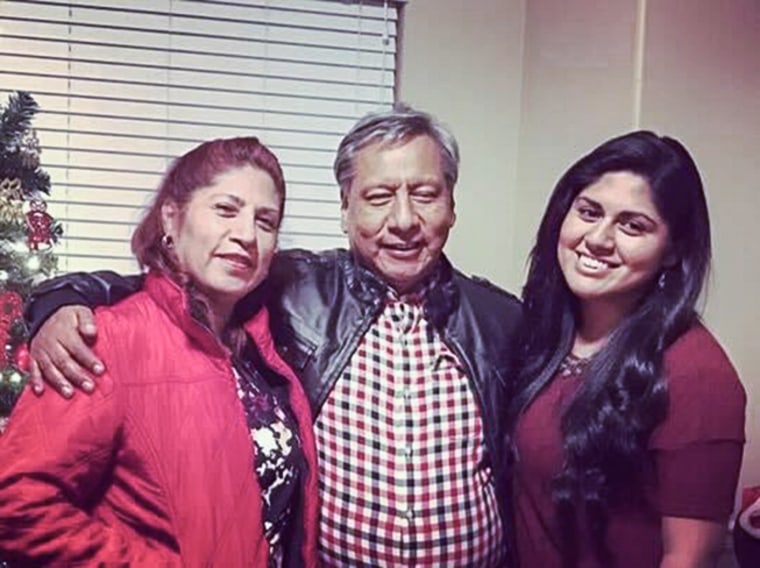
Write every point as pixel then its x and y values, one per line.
pixel 243 232
pixel 403 217
pixel 600 238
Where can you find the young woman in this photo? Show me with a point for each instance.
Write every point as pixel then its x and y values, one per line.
pixel 197 450
pixel 630 419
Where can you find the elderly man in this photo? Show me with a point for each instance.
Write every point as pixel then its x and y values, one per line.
pixel 405 360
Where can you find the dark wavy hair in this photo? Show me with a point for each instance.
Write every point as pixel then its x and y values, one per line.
pixel 606 427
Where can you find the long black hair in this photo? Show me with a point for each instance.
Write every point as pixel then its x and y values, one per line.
pixel 606 427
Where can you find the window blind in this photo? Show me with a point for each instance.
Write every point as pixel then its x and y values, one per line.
pixel 126 85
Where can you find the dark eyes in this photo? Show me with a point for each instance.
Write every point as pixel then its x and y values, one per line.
pixel 633 227
pixel 383 196
pixel 225 209
pixel 266 221
pixel 630 225
pixel 587 213
pixel 267 224
pixel 425 194
pixel 379 196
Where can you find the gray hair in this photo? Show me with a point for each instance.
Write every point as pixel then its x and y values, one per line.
pixel 393 127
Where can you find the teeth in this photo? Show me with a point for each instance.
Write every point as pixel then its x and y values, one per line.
pixel 592 263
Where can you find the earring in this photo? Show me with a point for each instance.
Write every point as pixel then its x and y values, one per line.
pixel 167 242
pixel 661 281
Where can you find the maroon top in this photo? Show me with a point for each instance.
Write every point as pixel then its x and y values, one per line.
pixel 696 451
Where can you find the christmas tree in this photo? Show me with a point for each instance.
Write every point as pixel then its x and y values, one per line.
pixel 27 233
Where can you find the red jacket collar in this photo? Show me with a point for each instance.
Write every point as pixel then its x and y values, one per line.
pixel 173 300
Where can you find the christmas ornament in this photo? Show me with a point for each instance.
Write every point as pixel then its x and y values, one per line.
pixel 19 247
pixel 10 189
pixel 21 358
pixel 29 148
pixel 33 263
pixel 40 225
pixel 26 233
pixel 11 305
pixel 11 211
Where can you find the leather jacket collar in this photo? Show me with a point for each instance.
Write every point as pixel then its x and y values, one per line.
pixel 367 287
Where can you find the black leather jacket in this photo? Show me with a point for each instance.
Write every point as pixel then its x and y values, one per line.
pixel 322 304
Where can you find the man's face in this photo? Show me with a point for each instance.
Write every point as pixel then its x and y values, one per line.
pixel 398 211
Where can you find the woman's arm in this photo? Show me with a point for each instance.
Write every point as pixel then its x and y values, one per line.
pixel 691 543
pixel 698 450
pixel 59 316
pixel 54 458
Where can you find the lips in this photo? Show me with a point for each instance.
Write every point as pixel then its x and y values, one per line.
pixel 403 249
pixel 593 264
pixel 238 261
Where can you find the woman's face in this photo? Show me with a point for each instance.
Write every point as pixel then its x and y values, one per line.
pixel 225 236
pixel 613 242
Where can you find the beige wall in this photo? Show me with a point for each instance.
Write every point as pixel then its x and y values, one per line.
pixel 462 60
pixel 528 86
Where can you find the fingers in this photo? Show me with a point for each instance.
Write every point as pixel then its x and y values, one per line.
pixel 35 378
pixel 60 353
pixel 86 323
pixel 79 346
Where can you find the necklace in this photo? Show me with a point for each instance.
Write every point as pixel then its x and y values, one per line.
pixel 573 366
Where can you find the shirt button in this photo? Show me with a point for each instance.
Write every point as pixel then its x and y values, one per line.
pixel 408 514
pixel 408 451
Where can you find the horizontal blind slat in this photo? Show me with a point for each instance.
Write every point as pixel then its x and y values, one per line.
pixel 127 86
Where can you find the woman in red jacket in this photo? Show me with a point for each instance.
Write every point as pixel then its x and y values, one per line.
pixel 197 450
pixel 630 421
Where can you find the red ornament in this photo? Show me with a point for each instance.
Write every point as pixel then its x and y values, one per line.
pixel 40 225
pixel 11 305
pixel 22 358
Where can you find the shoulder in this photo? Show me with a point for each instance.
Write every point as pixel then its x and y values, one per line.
pixel 130 311
pixel 697 356
pixel 483 293
pixel 494 312
pixel 706 400
pixel 296 267
pixel 306 260
pixel 123 325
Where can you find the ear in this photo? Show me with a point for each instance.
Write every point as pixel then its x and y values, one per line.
pixel 170 218
pixel 344 211
pixel 453 214
pixel 344 219
pixel 670 260
pixel 671 257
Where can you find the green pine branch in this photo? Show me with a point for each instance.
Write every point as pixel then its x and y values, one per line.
pixel 17 117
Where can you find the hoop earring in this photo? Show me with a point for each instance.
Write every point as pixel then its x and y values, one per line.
pixel 167 242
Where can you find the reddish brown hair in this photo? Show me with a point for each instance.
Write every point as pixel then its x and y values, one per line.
pixel 196 169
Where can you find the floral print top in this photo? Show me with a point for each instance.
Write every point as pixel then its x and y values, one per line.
pixel 278 456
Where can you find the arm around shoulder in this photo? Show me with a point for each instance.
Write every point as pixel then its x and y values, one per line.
pixel 79 288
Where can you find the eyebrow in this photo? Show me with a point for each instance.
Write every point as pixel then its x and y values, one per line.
pixel 626 214
pixel 239 202
pixel 268 211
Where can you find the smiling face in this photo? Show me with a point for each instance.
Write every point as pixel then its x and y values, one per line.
pixel 398 211
pixel 613 243
pixel 225 236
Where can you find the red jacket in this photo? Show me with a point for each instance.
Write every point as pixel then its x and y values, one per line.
pixel 156 467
